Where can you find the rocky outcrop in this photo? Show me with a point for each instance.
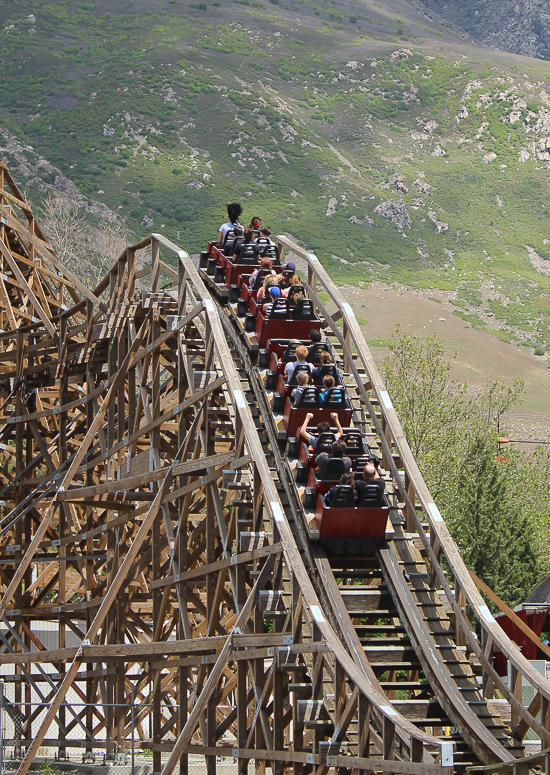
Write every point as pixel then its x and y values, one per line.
pixel 366 221
pixel 540 264
pixel 30 165
pixel 396 211
pixel 398 181
pixel 331 209
pixel 421 187
pixel 519 26
pixel 440 225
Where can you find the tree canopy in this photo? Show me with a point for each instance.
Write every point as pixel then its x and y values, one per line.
pixel 453 433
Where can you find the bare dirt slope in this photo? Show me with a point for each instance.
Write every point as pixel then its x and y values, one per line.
pixel 480 356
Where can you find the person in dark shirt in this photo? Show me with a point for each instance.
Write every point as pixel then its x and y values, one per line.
pixel 326 360
pixel 315 336
pixel 370 476
pixel 233 246
pixel 338 451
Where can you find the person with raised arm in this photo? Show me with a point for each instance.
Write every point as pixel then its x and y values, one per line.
pixel 323 427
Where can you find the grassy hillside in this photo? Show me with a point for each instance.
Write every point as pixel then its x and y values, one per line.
pixel 312 115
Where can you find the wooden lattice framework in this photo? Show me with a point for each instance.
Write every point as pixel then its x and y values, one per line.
pixel 139 514
pixel 142 528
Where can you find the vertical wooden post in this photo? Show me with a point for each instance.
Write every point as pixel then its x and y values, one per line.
pixel 516 687
pixel 130 272
pixel 155 266
pixel 363 721
pixel 460 598
pixel 156 544
pixel 417 750
pixel 389 738
pixel 297 622
pixel 311 277
pixel 242 688
pixel 545 713
pixel 184 629
pixel 410 526
pixel 20 494
pixel 487 646
pixel 63 526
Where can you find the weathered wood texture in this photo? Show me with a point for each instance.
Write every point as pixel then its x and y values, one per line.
pixel 133 484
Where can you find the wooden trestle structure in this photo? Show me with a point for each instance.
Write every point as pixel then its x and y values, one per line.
pixel 143 529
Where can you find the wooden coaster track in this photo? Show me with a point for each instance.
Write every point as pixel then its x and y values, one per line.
pixel 150 526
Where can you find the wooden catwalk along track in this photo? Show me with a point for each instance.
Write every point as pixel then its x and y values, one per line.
pixel 158 588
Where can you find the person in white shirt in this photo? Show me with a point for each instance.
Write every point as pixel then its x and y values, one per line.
pixel 234 211
pixel 301 355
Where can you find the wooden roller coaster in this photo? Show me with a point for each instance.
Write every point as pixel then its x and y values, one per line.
pixel 160 590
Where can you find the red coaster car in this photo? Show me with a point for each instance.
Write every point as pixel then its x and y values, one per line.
pixel 335 401
pixel 282 321
pixel 345 528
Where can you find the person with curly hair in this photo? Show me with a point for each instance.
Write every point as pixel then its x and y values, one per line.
pixel 234 211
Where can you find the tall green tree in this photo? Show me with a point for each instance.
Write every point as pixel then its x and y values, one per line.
pixel 494 535
pixel 453 433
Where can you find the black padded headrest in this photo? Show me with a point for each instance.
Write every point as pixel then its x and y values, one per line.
pixel 229 235
pixel 289 354
pixel 259 281
pixel 343 497
pixel 354 442
pixel 270 251
pixel 279 310
pixel 371 495
pixel 297 369
pixel 232 246
pixel 327 368
pixel 309 399
pixel 360 463
pixel 293 290
pixel 304 310
pixel 324 442
pixel 332 469
pixel 335 398
pixel 315 351
pixel 248 254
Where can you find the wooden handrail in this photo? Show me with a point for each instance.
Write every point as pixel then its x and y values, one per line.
pixel 521 625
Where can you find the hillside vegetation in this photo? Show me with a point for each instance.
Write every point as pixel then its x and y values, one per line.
pixel 365 130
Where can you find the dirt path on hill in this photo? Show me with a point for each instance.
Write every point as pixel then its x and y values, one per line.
pixel 481 356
